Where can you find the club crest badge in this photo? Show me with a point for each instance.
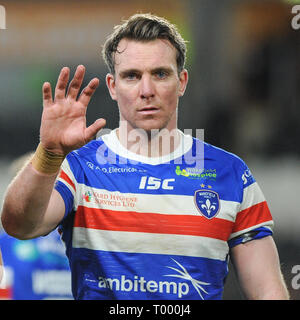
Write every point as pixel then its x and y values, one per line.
pixel 207 203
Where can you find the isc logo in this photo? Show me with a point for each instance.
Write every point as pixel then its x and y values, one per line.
pixel 2 18
pixel 151 183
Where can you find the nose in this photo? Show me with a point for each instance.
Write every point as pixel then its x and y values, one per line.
pixel 147 89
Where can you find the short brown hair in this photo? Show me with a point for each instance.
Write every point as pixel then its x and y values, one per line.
pixel 144 27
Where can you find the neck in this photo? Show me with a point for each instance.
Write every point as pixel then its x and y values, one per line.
pixel 153 143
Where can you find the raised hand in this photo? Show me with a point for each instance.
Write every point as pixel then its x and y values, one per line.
pixel 63 126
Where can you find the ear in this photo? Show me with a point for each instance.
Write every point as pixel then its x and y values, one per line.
pixel 111 85
pixel 183 79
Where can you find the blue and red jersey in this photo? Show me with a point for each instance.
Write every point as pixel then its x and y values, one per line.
pixel 156 228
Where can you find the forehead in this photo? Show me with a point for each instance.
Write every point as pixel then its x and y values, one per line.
pixel 145 54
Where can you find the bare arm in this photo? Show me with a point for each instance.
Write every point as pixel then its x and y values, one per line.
pixel 258 270
pixel 31 206
pixel 25 210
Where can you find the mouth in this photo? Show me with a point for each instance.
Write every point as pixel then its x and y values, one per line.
pixel 148 110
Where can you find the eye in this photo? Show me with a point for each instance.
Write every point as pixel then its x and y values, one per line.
pixel 132 76
pixel 161 74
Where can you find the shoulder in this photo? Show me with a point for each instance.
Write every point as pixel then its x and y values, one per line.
pixel 229 163
pixel 223 157
pixel 79 160
pixel 86 150
pixel 85 153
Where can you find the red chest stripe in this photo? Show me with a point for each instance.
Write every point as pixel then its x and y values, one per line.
pixel 152 223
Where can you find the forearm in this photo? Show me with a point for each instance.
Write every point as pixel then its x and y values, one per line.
pixel 26 202
pixel 268 289
pixel 258 269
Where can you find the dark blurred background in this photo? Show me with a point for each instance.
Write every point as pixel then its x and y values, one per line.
pixel 244 69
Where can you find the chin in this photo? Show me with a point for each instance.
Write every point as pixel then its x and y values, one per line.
pixel 151 125
pixel 149 129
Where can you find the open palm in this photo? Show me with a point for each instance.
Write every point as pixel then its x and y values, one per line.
pixel 63 125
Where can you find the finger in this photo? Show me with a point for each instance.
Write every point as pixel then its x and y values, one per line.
pixel 76 82
pixel 91 131
pixel 47 94
pixel 88 91
pixel 61 85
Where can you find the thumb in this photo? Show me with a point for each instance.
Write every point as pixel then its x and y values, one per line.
pixel 91 131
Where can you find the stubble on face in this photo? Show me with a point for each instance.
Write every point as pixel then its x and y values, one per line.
pixel 146 86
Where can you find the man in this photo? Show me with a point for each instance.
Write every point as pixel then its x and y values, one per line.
pixel 141 217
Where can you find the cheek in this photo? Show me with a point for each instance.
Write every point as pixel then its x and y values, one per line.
pixel 126 102
pixel 126 94
pixel 170 95
pixel 123 99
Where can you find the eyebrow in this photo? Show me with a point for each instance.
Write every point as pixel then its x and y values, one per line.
pixel 127 72
pixel 166 69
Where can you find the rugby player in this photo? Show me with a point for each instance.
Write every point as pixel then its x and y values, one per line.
pixel 136 223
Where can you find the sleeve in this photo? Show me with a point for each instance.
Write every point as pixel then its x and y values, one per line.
pixel 253 219
pixel 66 185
